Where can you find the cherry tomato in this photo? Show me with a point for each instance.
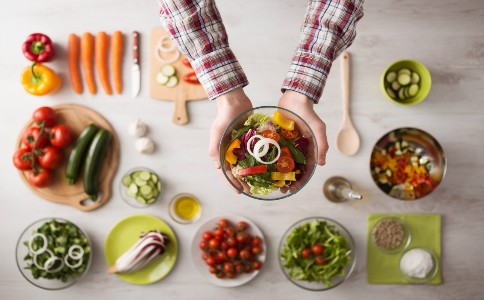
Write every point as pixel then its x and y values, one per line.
pixel 305 253
pixel 211 261
pixel 42 178
pixel 221 256
pixel 203 245
pixel 214 244
pixel 45 114
pixel 187 63
pixel 231 241
pixel 256 250
pixel 228 267
pixel 248 268
pixel 223 223
pixel 229 231
pixel 285 151
pixel 290 134
pixel 61 136
pixel 244 254
pixel 241 237
pixel 317 249
pixel 224 245
pixel 285 164
pixel 22 159
pixel 207 235
pixel 205 255
pixel 271 134
pixel 230 275
pixel 239 268
pixel 256 241
pixel 31 135
pixel 242 226
pixel 220 275
pixel 320 261
pixel 213 270
pixel 219 234
pixel 232 252
pixel 51 157
pixel 256 264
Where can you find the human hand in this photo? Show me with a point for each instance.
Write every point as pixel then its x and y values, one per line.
pixel 303 106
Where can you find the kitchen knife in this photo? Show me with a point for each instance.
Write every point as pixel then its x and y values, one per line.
pixel 135 70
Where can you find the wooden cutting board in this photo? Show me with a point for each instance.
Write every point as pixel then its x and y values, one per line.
pixel 180 94
pixel 77 117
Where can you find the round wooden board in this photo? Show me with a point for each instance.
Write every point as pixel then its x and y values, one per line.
pixel 77 117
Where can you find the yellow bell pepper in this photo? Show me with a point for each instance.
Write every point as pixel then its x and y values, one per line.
pixel 280 183
pixel 276 176
pixel 40 80
pixel 283 122
pixel 230 157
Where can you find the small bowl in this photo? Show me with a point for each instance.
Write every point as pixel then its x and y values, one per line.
pixel 425 146
pixel 424 85
pixel 43 283
pixel 406 237
pixel 279 193
pixel 131 200
pixel 430 275
pixel 179 219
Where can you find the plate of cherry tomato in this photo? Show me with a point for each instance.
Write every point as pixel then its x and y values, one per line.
pixel 229 251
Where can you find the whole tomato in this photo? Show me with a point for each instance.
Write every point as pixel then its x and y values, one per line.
pixel 22 159
pixel 242 226
pixel 244 254
pixel 41 178
pixel 45 114
pixel 60 136
pixel 51 157
pixel 31 135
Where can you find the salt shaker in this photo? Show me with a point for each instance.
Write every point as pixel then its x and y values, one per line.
pixel 338 189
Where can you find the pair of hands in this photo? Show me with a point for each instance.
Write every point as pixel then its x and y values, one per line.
pixel 233 103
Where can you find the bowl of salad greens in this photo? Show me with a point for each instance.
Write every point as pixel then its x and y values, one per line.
pixel 53 253
pixel 317 254
pixel 268 153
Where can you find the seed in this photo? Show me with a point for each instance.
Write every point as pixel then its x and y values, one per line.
pixel 388 234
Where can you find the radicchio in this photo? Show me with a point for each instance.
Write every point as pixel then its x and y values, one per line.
pixel 268 125
pixel 302 144
pixel 241 152
pixel 302 169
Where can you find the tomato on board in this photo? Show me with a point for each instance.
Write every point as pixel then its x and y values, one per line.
pixel 61 136
pixel 31 135
pixel 51 157
pixel 290 134
pixel 271 134
pixel 22 159
pixel 45 114
pixel 42 178
pixel 285 164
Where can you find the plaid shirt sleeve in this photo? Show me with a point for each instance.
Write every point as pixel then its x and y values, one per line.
pixel 328 29
pixel 196 28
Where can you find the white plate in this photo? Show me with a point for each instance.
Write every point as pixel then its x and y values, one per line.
pixel 202 267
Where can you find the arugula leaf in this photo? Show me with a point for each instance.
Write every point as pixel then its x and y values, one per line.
pixel 240 132
pixel 298 155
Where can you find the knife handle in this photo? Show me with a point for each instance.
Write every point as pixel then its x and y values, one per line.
pixel 135 47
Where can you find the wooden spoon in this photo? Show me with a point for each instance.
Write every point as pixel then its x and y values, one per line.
pixel 348 140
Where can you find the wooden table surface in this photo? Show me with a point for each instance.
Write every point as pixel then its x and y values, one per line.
pixel 445 35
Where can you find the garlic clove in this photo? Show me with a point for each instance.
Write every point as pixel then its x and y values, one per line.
pixel 138 129
pixel 145 145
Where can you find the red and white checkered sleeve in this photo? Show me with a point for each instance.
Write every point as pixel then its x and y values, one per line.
pixel 329 28
pixel 196 28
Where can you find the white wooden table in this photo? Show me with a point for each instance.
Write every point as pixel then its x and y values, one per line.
pixel 445 35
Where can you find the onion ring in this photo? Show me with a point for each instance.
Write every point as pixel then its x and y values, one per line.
pixel 166 61
pixel 260 137
pixel 265 143
pixel 161 43
pixel 50 262
pixel 76 265
pixel 34 259
pixel 44 246
pixel 77 255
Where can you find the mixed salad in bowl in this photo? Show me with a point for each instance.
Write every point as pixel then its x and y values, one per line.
pixel 269 151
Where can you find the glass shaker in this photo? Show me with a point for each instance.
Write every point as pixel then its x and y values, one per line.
pixel 338 189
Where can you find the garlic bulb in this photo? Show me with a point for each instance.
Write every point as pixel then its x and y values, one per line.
pixel 138 129
pixel 145 145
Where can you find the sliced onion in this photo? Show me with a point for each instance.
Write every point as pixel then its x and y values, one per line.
pixel 161 43
pixel 261 143
pixel 78 254
pixel 265 143
pixel 260 137
pixel 41 249
pixel 166 61
pixel 76 265
pixel 50 262
pixel 34 259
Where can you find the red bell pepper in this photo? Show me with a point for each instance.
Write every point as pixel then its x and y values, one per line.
pixel 253 170
pixel 38 48
pixel 187 63
pixel 191 78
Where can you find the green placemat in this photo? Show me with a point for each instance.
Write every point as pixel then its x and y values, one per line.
pixel 425 232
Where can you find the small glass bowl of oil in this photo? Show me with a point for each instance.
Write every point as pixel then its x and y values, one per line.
pixel 185 208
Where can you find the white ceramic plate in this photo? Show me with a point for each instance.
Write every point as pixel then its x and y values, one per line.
pixel 202 267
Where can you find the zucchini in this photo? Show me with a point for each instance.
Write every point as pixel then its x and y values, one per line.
pixel 391 93
pixel 413 90
pixel 403 78
pixel 168 70
pixel 415 77
pixel 78 152
pixel 161 78
pixel 94 161
pixel 391 77
pixel 172 82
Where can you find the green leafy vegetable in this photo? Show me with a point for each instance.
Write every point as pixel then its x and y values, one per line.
pixel 239 132
pixel 298 155
pixel 256 118
pixel 336 252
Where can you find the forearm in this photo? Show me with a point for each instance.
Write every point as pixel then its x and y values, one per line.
pixel 329 28
pixel 196 28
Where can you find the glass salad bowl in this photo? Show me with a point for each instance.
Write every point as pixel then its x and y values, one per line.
pixel 317 254
pixel 282 156
pixel 59 263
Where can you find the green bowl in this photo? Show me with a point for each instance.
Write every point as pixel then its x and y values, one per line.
pixel 424 84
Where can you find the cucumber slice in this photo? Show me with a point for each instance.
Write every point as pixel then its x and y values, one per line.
pixel 154 178
pixel 168 70
pixel 415 77
pixel 144 186
pixel 391 93
pixel 145 190
pixel 404 71
pixel 131 194
pixel 172 82
pixel 391 76
pixel 401 94
pixel 127 181
pixel 404 78
pixel 395 85
pixel 151 200
pixel 133 188
pixel 413 90
pixel 158 187
pixel 161 78
pixel 145 176
pixel 141 199
pixel 405 92
pixel 139 182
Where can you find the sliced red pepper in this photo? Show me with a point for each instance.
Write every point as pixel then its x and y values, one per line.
pixel 191 78
pixel 253 170
pixel 187 63
pixel 38 48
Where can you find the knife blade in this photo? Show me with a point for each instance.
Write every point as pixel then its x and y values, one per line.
pixel 135 69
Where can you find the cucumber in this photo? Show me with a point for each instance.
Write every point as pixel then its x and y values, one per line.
pixel 401 94
pixel 404 71
pixel 391 76
pixel 415 77
pixel 145 186
pixel 161 78
pixel 391 93
pixel 395 86
pixel 94 160
pixel 172 82
pixel 78 153
pixel 168 70
pixel 413 90
pixel 403 78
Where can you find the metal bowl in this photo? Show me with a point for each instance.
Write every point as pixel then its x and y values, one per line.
pixel 426 148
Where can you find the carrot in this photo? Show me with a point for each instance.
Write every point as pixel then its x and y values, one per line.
pixel 73 59
pixel 116 56
pixel 87 44
pixel 101 49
